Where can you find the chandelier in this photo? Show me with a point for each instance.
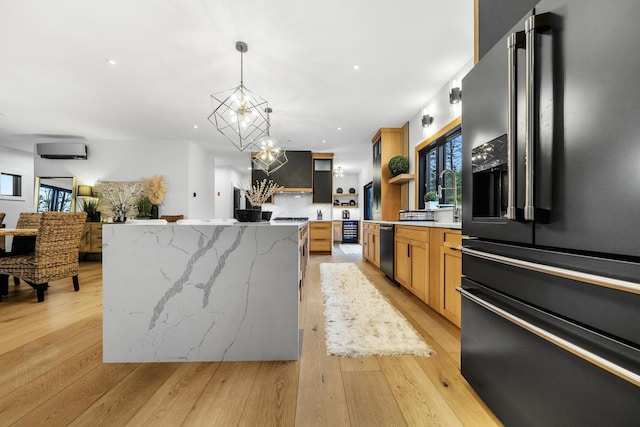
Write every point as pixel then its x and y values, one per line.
pixel 269 156
pixel 338 173
pixel 239 114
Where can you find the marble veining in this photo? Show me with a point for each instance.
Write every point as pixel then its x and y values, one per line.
pixel 200 292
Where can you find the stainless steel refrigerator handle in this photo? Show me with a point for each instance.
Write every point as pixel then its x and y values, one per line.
pixel 593 279
pixel 515 41
pixel 572 348
pixel 531 26
pixel 529 162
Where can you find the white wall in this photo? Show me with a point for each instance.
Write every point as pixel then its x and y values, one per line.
pixel 201 183
pixel 21 163
pixel 442 112
pixel 132 161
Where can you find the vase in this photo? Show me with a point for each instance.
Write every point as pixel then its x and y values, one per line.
pixel 248 215
pixel 154 212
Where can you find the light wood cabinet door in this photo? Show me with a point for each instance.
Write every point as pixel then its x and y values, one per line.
pixel 450 278
pixel 374 245
pixel 402 262
pixel 337 231
pixel 320 236
pixel 85 239
pixel 420 270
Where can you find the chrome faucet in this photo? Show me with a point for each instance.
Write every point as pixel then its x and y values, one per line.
pixel 441 190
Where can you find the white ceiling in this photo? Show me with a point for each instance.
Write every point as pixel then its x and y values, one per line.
pixel 172 54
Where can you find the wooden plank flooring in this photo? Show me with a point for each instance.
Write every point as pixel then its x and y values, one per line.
pixel 51 371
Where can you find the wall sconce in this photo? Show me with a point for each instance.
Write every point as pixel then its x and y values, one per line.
pixel 426 120
pixel 455 95
pixel 85 191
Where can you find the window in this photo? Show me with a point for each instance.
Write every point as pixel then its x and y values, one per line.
pixel 10 184
pixel 442 154
pixel 54 199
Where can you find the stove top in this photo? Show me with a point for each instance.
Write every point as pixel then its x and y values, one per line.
pixel 291 218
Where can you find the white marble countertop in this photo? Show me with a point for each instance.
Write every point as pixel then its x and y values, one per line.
pixel 437 224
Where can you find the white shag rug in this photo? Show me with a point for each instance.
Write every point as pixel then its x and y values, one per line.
pixel 352 249
pixel 359 321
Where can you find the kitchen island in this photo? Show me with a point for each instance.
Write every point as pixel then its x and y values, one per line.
pixel 206 292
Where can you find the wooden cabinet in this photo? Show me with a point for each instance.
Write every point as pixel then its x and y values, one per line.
pixel 337 231
pixel 320 233
pixel 411 261
pixel 450 276
pixel 91 240
pixel 387 143
pixel 322 177
pixel 371 243
pixel 303 249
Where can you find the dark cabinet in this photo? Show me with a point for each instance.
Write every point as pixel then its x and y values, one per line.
pixel 377 181
pixel 295 174
pixel 322 178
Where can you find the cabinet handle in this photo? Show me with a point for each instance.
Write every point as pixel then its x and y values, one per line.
pixel 408 251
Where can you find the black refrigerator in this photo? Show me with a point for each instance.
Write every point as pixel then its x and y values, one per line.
pixel 550 330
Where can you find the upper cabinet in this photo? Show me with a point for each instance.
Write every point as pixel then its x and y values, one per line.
pixel 322 177
pixel 387 143
pixel 295 175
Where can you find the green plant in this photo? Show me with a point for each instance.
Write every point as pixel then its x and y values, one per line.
pixel 90 204
pixel 398 165
pixel 143 204
pixel 431 196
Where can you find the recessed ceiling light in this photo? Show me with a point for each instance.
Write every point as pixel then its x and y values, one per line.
pixel 324 141
pixel 111 61
pixel 356 67
pixel 195 126
pixel 339 128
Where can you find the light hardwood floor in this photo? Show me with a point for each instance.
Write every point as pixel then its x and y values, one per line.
pixel 51 371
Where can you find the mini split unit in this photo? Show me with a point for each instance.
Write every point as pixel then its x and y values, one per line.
pixel 61 150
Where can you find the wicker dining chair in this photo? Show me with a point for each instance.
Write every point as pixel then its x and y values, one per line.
pixel 55 256
pixel 24 245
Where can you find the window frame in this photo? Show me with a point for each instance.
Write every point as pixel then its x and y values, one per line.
pixel 437 146
pixel 17 191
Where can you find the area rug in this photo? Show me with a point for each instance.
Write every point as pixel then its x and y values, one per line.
pixel 359 321
pixel 351 249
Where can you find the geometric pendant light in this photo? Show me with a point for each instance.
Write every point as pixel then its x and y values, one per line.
pixel 239 114
pixel 267 155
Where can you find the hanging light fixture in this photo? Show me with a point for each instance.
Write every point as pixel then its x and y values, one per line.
pixel 239 114
pixel 269 156
pixel 338 173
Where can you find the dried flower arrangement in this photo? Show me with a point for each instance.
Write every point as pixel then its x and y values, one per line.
pixel 260 192
pixel 155 189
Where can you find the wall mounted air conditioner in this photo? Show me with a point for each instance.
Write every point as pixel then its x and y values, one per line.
pixel 61 150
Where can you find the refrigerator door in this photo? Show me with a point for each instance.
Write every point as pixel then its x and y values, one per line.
pixel 485 114
pixel 587 102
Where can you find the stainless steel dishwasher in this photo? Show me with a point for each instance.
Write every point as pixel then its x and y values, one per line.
pixel 386 249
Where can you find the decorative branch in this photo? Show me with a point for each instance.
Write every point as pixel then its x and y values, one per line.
pixel 260 192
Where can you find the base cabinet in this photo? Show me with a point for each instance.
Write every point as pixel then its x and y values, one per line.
pixel 371 243
pixel 320 236
pixel 411 261
pixel 91 240
pixel 450 277
pixel 337 231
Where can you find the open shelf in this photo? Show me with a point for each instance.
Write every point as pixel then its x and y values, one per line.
pixel 345 195
pixel 402 178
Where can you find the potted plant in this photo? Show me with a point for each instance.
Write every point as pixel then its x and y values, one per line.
pixel 91 205
pixel 398 165
pixel 431 200
pixel 143 204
